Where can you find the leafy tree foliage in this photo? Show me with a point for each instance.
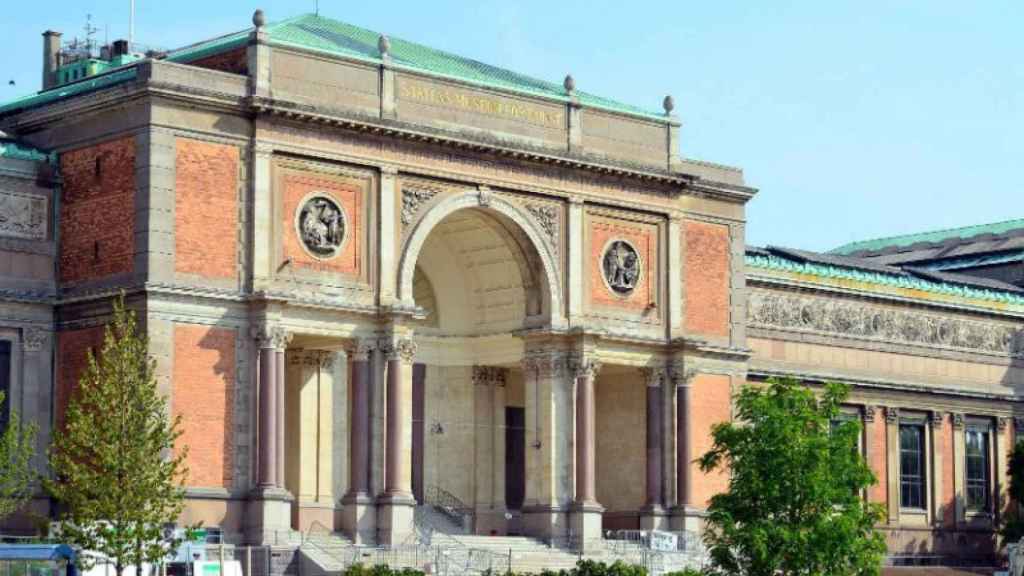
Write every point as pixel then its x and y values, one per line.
pixel 17 445
pixel 794 504
pixel 1013 526
pixel 117 472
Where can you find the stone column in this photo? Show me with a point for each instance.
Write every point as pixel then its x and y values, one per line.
pixel 587 513
pixel 653 516
pixel 359 518
pixel 489 417
pixel 938 507
pixel 684 515
pixel 270 511
pixel 396 505
pixel 548 384
pixel 279 415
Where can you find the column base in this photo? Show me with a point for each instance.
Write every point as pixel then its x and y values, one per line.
pixel 687 519
pixel 359 518
pixel 395 518
pixel 585 522
pixel 547 523
pixel 654 517
pixel 269 516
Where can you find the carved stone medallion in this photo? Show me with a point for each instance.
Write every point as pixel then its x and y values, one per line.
pixel 321 225
pixel 621 267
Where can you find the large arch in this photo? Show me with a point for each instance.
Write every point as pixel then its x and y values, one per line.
pixel 551 305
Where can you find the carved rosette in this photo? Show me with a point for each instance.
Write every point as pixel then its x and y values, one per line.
pixel 835 317
pixel 489 375
pixel 33 339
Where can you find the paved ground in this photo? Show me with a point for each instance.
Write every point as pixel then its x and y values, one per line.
pixel 936 571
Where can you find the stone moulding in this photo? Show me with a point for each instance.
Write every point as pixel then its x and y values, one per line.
pixel 837 318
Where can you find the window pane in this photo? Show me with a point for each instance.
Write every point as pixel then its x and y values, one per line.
pixel 976 464
pixel 912 466
pixel 5 382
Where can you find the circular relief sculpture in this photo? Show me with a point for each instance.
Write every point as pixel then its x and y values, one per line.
pixel 621 267
pixel 321 225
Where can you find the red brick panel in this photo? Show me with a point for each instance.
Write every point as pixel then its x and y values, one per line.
pixel 97 211
pixel 710 403
pixel 203 395
pixel 350 195
pixel 877 458
pixel 72 353
pixel 644 239
pixel 706 276
pixel 945 441
pixel 206 209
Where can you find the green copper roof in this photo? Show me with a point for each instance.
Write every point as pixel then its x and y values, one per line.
pixel 67 90
pixel 936 236
pixel 320 34
pixel 12 149
pixel 772 262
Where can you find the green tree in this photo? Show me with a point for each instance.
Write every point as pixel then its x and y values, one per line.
pixel 1013 523
pixel 116 469
pixel 794 503
pixel 17 445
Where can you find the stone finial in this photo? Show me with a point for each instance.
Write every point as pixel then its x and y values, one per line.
pixel 258 19
pixel 669 104
pixel 569 83
pixel 383 45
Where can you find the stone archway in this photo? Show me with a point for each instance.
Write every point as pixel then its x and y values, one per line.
pixel 549 276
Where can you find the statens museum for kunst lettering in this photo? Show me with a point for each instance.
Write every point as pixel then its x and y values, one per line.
pixel 376 277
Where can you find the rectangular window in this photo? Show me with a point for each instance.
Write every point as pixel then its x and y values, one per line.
pixel 5 382
pixel 912 486
pixel 977 467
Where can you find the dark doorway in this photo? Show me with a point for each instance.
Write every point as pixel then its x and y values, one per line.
pixel 419 376
pixel 515 457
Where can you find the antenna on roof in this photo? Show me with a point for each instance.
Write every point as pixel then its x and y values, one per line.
pixel 316 7
pixel 131 24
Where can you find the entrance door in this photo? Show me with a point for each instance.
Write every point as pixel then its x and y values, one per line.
pixel 419 373
pixel 515 457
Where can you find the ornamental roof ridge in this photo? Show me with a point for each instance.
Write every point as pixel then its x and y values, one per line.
pixel 333 37
pixel 928 237
pixel 830 267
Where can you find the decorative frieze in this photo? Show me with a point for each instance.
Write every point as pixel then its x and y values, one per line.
pixel 23 216
pixel 546 216
pixel 834 317
pixel 312 358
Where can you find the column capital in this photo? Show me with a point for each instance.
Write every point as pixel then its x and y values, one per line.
pixel 936 418
pixel 868 414
pixel 892 414
pixel 585 367
pixel 389 170
pixel 271 336
pixel 361 350
pixel 681 376
pixel 958 421
pixel 33 339
pixel 547 364
pixel 654 376
pixel 490 375
pixel 1002 423
pixel 403 349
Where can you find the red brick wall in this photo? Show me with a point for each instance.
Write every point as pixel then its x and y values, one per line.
pixel 203 395
pixel 706 275
pixel 350 195
pixel 644 239
pixel 945 445
pixel 876 441
pixel 97 211
pixel 206 209
pixel 72 349
pixel 710 403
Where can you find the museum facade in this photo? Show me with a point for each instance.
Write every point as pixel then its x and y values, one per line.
pixel 375 275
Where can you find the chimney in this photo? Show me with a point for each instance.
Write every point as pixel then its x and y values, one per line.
pixel 51 58
pixel 120 48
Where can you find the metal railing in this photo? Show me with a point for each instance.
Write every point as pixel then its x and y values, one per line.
pixel 449 505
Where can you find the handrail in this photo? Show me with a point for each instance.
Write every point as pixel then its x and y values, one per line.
pixel 448 504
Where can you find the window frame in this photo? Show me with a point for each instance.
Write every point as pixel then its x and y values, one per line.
pixel 923 481
pixel 985 427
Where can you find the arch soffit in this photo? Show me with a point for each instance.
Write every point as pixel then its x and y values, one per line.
pixel 434 214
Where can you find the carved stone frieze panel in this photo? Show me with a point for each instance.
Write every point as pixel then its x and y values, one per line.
pixel 23 216
pixel 834 317
pixel 416 193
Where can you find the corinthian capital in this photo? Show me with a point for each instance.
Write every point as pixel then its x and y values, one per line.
pixel 586 368
pixel 403 349
pixel 654 376
pixel 271 336
pixel 33 339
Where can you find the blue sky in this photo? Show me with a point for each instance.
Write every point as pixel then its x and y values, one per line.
pixel 854 119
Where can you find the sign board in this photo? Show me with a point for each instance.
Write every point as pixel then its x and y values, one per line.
pixel 663 541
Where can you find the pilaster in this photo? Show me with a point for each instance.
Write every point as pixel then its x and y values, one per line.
pixel 892 443
pixel 396 504
pixel 654 515
pixel 359 514
pixel 387 265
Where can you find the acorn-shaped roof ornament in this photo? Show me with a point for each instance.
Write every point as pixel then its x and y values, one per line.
pixel 669 104
pixel 569 84
pixel 383 45
pixel 258 19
